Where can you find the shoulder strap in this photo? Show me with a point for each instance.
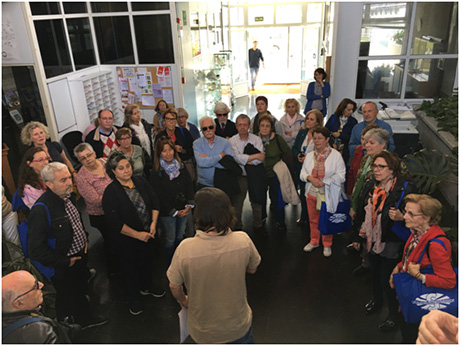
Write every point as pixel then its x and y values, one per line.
pixel 402 195
pixel 183 134
pixel 18 324
pixel 47 211
pixel 435 239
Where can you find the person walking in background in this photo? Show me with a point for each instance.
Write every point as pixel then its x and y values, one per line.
pixel 318 92
pixel 255 55
pixel 213 266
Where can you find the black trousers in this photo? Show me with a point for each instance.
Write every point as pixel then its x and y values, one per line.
pixel 99 222
pixel 381 268
pixel 71 286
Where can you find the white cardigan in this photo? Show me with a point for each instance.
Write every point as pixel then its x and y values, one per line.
pixel 334 173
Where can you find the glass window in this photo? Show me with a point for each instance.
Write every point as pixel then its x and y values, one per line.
pixel 379 78
pixel 75 7
pixel 149 6
pixel 385 28
pixel 81 42
pixel 109 6
pixel 41 8
pixel 154 39
pixel 434 36
pixel 314 13
pixel 288 14
pixel 430 78
pixel 114 40
pixel 53 47
pixel 236 16
pixel 258 15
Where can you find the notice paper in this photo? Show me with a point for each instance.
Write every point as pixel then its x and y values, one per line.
pixel 167 96
pixel 183 318
pixel 157 93
pixel 148 100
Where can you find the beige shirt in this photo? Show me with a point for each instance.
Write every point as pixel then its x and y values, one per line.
pixel 213 268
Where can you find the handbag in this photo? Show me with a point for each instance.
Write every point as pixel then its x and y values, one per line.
pixel 338 222
pixel 416 299
pixel 398 228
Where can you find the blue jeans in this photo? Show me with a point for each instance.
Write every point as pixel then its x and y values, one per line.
pixel 173 232
pixel 254 72
pixel 246 339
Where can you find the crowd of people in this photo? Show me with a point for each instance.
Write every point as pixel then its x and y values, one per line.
pixel 146 181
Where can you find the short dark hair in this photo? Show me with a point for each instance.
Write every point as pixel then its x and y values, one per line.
pixel 159 145
pixel 157 108
pixel 105 109
pixel 213 211
pixel 269 118
pixel 262 98
pixel 321 70
pixel 392 160
pixel 343 104
pixel 323 130
pixel 112 162
pixel 123 131
pixel 243 116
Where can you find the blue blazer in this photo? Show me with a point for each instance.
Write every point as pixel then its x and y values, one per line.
pixel 311 96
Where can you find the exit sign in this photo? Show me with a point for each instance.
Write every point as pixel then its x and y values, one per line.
pixel 259 19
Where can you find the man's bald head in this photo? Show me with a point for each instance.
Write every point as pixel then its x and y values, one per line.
pixel 20 293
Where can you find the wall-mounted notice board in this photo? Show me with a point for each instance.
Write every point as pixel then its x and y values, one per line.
pixel 145 86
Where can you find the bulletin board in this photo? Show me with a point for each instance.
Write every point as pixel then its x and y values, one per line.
pixel 145 86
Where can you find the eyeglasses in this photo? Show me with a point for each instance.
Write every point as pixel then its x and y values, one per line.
pixel 222 115
pixel 124 138
pixel 207 127
pixel 36 287
pixel 42 159
pixel 86 157
pixel 379 167
pixel 411 214
pixel 170 119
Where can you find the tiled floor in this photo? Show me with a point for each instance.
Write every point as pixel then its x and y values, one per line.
pixel 295 297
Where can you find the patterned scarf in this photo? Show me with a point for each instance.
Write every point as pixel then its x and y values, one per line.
pixel 319 170
pixel 378 200
pixel 171 169
pixel 139 204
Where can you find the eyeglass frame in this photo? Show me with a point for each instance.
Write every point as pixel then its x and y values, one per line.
pixel 36 287
pixel 170 119
pixel 85 157
pixel 211 127
pixel 380 167
pixel 411 214
pixel 222 115
pixel 42 159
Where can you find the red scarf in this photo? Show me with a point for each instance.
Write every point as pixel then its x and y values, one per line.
pixel 378 200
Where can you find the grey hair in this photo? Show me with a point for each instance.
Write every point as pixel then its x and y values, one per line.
pixel 221 106
pixel 182 111
pixel 205 118
pixel 81 147
pixel 243 116
pixel 112 162
pixel 380 135
pixel 48 172
pixel 371 102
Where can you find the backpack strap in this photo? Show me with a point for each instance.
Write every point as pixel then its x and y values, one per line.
pixel 183 134
pixel 18 324
pixel 435 239
pixel 402 195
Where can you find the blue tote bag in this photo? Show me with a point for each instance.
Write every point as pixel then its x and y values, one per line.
pixel 338 222
pixel 417 300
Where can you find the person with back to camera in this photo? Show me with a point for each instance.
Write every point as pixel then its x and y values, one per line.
pixel 173 186
pixel 318 92
pixel 262 109
pixel 375 216
pixel 182 117
pixel 302 146
pixel 255 56
pixel 291 122
pixel 224 127
pixel 370 112
pixel 158 121
pixel 321 167
pixel 213 266
pixel 140 128
pixel 422 214
pixel 35 134
pixel 131 208
pixel 341 124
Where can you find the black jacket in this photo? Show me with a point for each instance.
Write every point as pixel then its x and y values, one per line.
pixel 257 178
pixel 184 139
pixel 230 129
pixel 60 228
pixel 227 179
pixel 172 193
pixel 97 145
pixel 119 209
pixel 391 201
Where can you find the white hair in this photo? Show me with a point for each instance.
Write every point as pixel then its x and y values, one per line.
pixel 206 118
pixel 48 172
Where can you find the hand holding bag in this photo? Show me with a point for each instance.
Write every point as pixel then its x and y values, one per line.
pixel 338 222
pixel 417 300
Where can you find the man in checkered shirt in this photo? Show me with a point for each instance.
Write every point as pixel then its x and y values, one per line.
pixel 69 255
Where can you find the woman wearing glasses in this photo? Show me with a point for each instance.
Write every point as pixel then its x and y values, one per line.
pixel 91 181
pixel 422 215
pixel 376 214
pixel 124 138
pixel 224 127
pixel 30 184
pixel 35 134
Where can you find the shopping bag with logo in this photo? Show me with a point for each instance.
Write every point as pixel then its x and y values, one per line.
pixel 338 222
pixel 416 300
